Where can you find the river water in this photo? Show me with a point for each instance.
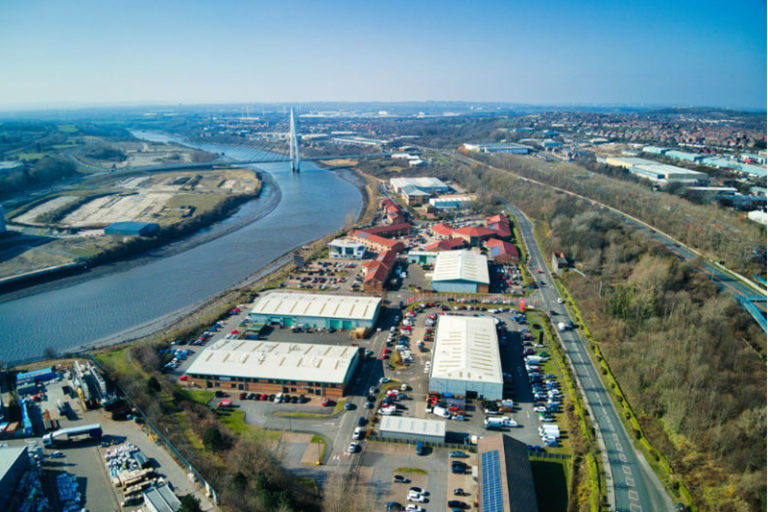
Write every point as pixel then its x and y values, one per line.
pixel 134 300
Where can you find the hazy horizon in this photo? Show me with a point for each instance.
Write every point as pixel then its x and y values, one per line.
pixel 95 54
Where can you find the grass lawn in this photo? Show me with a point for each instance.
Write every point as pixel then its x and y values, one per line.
pixel 199 396
pixel 67 128
pixel 550 483
pixel 118 361
pixel 235 420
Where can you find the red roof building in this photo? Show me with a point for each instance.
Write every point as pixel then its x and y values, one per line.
pixel 376 243
pixel 441 231
pixel 474 234
pixel 502 252
pixel 377 271
pixel 449 244
pixel 499 224
pixel 392 212
pixel 390 230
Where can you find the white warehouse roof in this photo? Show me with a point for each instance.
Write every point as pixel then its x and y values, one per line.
pixel 275 360
pixel 317 305
pixel 461 265
pixel 466 348
pixel 403 425
pixel 421 182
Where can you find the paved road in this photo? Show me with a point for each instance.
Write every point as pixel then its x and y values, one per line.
pixel 632 484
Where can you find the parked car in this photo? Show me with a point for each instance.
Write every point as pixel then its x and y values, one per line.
pixel 353 446
pixel 459 454
pixel 400 479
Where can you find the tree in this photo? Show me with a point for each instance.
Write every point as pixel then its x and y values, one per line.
pixel 153 385
pixel 189 503
pixel 213 440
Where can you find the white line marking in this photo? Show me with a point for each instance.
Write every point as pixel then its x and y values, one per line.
pixel 630 481
pixel 634 507
pixel 634 496
pixel 622 457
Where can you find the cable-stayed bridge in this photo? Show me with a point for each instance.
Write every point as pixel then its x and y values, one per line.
pixel 281 144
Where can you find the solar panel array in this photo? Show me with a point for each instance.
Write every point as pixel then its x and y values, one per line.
pixel 491 485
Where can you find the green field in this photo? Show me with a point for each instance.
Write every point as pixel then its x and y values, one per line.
pixel 67 128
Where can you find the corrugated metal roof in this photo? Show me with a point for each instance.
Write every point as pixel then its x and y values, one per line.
pixel 466 348
pixel 275 360
pixel 355 307
pixel 403 425
pixel 461 265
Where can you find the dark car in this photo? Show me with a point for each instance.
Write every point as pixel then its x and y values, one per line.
pixel 457 504
pixel 361 421
pixel 394 506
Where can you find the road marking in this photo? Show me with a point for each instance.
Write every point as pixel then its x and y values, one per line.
pixel 630 481
pixel 634 496
pixel 627 470
pixel 622 457
pixel 634 507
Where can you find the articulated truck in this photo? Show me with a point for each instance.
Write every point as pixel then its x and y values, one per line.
pixel 66 435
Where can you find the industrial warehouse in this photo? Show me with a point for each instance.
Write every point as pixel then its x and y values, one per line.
pixel 319 311
pixel 466 358
pixel 274 367
pixel 412 429
pixel 461 272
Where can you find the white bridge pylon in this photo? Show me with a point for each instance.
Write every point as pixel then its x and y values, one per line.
pixel 293 142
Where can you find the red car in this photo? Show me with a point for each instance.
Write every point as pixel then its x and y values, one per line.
pixel 538 271
pixel 263 397
pixel 383 356
pixel 224 403
pixel 325 402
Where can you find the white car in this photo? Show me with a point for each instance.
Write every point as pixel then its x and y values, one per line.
pixel 414 508
pixel 559 300
pixel 418 498
pixel 353 447
pixel 384 380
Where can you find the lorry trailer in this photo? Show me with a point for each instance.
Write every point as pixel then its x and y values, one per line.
pixel 65 435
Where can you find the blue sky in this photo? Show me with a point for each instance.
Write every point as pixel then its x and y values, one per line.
pixel 539 52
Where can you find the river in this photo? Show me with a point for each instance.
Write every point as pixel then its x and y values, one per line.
pixel 133 300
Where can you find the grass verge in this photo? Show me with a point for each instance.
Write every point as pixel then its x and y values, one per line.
pixel 413 471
